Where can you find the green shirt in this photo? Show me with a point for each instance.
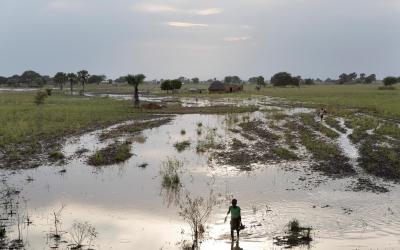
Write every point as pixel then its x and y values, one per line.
pixel 235 212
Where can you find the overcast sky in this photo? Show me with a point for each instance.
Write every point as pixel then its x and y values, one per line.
pixel 204 38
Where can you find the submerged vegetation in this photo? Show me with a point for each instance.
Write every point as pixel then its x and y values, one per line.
pixel 170 173
pixel 116 152
pixel 181 146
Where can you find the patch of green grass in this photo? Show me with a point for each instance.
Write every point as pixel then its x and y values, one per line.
pixel 360 125
pixel 181 146
pixel 114 153
pixel 309 120
pixel 284 153
pixel 56 156
pixel 22 121
pixel 334 123
pixel 320 149
pixel 380 158
pixel 389 129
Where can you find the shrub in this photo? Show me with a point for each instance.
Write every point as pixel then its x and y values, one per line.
pixel 40 97
pixel 390 80
pixel 49 91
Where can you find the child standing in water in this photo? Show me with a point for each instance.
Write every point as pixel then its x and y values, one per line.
pixel 322 112
pixel 236 219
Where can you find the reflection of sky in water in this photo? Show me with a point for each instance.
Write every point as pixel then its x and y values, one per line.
pixel 126 205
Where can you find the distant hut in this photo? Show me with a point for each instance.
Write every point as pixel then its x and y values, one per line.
pixel 219 87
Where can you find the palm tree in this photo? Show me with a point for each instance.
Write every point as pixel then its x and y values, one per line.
pixel 72 79
pixel 83 76
pixel 60 78
pixel 135 80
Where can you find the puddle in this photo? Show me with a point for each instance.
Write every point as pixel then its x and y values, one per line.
pixel 130 210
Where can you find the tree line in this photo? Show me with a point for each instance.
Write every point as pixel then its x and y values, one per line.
pixel 33 79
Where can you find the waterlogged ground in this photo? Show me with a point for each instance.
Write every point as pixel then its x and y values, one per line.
pixel 129 208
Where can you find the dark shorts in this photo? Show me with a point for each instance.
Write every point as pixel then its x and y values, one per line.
pixel 235 224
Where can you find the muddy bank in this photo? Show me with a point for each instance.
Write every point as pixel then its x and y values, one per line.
pixel 34 152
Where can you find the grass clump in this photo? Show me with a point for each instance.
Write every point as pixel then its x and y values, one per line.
pixel 181 146
pixel 296 235
pixel 309 120
pixel 208 143
pixel 40 97
pixel 284 153
pixel 170 173
pixel 183 132
pixel 334 123
pixel 114 153
pixel 56 156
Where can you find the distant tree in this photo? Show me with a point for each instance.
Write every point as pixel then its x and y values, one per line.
pixel 390 80
pixel 309 81
pixel 110 81
pixel 135 80
pixel 83 76
pixel 121 79
pixel 362 77
pixel 343 78
pixel 3 80
pixel 232 79
pixel 13 81
pixel 96 79
pixel 259 80
pixel 296 81
pixel 282 79
pixel 31 78
pixel 72 78
pixel 370 79
pixel 176 84
pixel 195 80
pixel 166 85
pixel 60 79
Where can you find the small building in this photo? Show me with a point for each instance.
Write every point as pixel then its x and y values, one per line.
pixel 220 87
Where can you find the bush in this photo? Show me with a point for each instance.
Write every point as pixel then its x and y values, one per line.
pixel 390 80
pixel 40 97
pixel 56 155
pixel 49 92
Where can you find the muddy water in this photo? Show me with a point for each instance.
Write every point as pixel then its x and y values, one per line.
pixel 130 210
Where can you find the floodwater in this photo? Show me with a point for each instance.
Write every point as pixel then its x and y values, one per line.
pixel 130 210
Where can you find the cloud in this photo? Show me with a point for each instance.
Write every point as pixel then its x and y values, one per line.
pixel 186 25
pixel 236 38
pixel 163 8
pixel 153 8
pixel 63 5
pixel 207 12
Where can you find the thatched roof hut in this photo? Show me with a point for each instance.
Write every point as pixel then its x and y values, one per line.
pixel 217 86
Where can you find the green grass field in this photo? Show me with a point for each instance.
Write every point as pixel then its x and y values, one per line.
pixel 365 97
pixel 22 120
